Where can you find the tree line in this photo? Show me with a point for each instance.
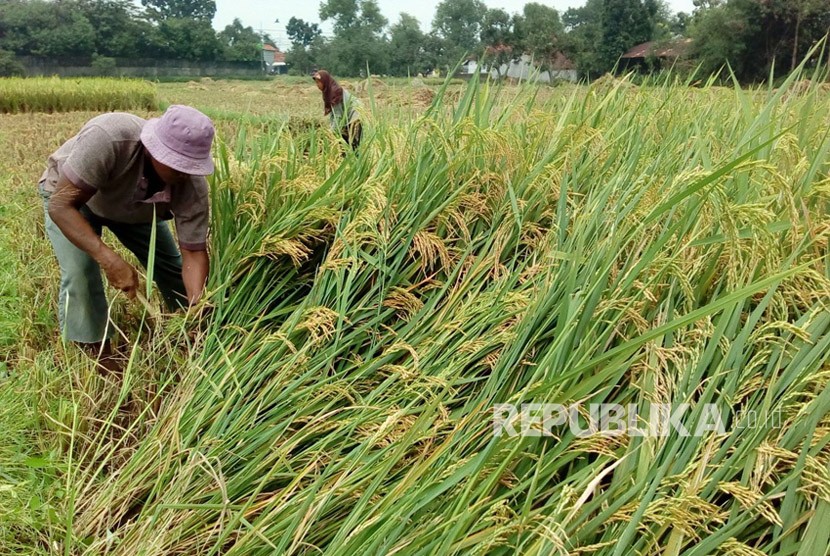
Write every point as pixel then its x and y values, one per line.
pixel 172 29
pixel 748 35
pixel 751 36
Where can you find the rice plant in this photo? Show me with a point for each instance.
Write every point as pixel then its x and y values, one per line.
pixel 615 244
pixel 52 94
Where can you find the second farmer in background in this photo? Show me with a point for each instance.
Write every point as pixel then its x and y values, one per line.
pixel 341 108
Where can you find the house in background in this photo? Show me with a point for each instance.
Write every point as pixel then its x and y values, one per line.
pixel 470 67
pixel 664 53
pixel 273 59
pixel 524 68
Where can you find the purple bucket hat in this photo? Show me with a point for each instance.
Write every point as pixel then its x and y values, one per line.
pixel 181 139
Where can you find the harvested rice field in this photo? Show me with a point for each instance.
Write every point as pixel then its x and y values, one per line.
pixel 576 320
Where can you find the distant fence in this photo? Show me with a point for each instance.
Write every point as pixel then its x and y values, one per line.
pixel 138 67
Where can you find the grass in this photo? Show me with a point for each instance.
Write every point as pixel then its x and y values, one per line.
pixel 622 244
pixel 23 485
pixel 9 298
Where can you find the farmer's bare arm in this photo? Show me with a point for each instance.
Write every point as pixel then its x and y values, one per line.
pixel 195 266
pixel 64 210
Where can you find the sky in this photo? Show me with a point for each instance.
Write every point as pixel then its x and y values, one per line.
pixel 271 16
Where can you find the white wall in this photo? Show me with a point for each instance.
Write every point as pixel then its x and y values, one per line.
pixel 524 70
pixel 470 67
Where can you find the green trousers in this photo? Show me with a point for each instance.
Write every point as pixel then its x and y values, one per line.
pixel 82 304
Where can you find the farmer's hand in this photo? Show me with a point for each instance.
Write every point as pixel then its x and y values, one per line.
pixel 121 275
pixel 64 210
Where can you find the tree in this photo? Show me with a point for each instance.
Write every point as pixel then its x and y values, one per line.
pixel 721 35
pixel 540 33
pixel 299 60
pixel 625 23
pixel 302 36
pixel 188 39
pixel 752 35
pixel 584 32
pixel 794 25
pixel 302 33
pixel 433 53
pixel 343 12
pixel 458 23
pixel 663 21
pixel 200 10
pixel 358 39
pixel 183 29
pixel 679 23
pixel 496 28
pixel 118 30
pixel 406 43
pixel 703 5
pixel 9 67
pixel 45 29
pixel 240 43
pixel 498 38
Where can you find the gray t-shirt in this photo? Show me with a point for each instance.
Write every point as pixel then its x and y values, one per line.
pixel 107 159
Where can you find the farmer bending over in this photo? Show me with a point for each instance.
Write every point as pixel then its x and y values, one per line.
pixel 117 172
pixel 341 108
